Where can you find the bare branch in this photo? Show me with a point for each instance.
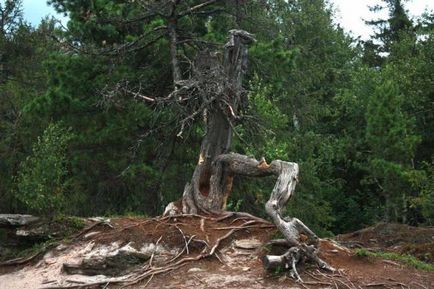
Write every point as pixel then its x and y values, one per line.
pixel 198 7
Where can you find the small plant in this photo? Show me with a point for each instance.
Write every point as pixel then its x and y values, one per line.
pixel 362 252
pixel 42 177
pixel 70 223
pixel 234 205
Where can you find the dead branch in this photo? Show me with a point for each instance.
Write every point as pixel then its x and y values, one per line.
pixel 197 7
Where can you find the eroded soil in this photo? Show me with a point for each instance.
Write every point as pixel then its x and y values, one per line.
pixel 230 266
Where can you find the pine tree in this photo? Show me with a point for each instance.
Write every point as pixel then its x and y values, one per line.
pixel 388 32
pixel 390 136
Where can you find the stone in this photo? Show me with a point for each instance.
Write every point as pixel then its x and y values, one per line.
pixel 16 220
pixel 113 260
pixel 195 269
pixel 248 244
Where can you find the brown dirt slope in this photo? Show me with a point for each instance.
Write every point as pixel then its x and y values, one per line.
pixel 399 238
pixel 230 265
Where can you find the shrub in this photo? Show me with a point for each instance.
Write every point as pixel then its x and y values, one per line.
pixel 42 176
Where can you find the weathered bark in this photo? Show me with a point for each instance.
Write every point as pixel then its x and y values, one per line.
pixel 302 242
pixel 211 181
pixel 173 39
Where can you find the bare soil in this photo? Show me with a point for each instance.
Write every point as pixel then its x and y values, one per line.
pixel 399 238
pixel 230 266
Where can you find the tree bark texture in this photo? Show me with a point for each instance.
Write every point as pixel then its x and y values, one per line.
pixel 211 182
pixel 301 241
pixel 173 39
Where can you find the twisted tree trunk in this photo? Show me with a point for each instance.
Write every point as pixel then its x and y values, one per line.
pixel 212 178
pixel 211 182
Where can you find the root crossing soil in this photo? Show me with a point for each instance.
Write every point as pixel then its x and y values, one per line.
pixel 209 252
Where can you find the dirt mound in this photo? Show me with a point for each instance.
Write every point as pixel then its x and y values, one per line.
pixel 173 232
pixel 399 238
pixel 209 252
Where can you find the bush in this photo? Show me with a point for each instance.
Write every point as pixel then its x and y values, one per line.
pixel 42 177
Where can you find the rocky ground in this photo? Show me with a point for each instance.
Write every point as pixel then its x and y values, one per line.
pixel 206 252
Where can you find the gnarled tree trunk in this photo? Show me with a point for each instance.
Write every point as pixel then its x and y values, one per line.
pixel 212 178
pixel 211 182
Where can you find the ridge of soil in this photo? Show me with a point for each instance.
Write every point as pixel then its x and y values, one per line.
pixel 398 238
pixel 230 267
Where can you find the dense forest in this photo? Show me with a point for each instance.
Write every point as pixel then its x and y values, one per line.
pixel 81 135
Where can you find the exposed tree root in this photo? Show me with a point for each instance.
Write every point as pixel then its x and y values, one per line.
pixel 241 215
pixel 149 270
pixel 302 242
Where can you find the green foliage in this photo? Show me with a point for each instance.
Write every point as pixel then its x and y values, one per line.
pixel 70 223
pixel 388 129
pixel 425 200
pixel 22 78
pixel 234 205
pixel 362 252
pixel 389 33
pixel 357 121
pixel 10 17
pixel 389 134
pixel 42 178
